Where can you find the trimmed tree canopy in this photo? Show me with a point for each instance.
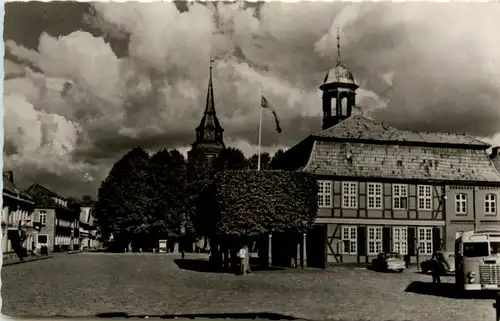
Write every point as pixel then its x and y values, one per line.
pixel 168 171
pixel 256 202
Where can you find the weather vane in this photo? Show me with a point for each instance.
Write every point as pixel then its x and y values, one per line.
pixel 211 61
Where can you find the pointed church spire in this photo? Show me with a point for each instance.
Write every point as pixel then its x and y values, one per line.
pixel 210 105
pixel 209 132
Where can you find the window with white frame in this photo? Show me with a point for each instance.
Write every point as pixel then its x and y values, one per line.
pixel 490 207
pixel 374 196
pixel 400 196
pixel 374 240
pixel 43 217
pixel 325 193
pixel 400 240
pixel 349 239
pixel 425 240
pixel 424 197
pixel 349 195
pixel 461 203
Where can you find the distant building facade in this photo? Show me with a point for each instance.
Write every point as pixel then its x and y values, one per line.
pixel 382 189
pixel 59 228
pixel 470 208
pixel 17 215
pixel 88 232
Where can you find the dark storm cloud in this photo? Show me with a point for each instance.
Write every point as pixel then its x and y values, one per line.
pixel 136 74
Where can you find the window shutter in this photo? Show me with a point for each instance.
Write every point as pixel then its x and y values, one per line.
pixel 411 240
pixel 361 240
pixel 386 239
pixel 436 238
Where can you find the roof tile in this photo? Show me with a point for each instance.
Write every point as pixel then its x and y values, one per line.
pixel 362 128
pixel 401 162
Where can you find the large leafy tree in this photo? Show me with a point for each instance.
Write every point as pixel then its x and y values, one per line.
pixel 230 159
pixel 168 179
pixel 276 159
pixel 87 200
pixel 265 161
pixel 124 205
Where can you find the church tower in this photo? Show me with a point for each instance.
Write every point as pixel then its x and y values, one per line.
pixel 339 92
pixel 209 139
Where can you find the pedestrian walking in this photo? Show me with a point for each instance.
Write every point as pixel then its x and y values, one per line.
pixel 407 260
pixel 247 260
pixel 242 254
pixel 181 245
pixel 436 269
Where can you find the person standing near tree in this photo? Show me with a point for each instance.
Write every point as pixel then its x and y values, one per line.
pixel 247 260
pixel 242 254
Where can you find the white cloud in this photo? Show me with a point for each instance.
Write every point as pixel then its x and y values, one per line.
pixel 430 67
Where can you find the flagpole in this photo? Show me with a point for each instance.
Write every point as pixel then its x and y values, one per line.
pixel 260 131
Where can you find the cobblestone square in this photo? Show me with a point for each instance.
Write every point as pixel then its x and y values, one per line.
pixel 90 284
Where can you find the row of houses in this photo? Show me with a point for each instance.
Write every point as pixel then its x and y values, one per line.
pixel 54 226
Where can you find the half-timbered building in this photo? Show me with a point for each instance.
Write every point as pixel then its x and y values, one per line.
pixel 382 189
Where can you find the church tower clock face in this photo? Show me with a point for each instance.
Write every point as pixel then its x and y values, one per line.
pixel 209 134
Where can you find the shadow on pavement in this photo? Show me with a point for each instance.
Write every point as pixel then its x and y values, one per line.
pixel 446 290
pixel 263 315
pixel 203 265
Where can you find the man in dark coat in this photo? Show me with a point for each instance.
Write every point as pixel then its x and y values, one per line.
pixel 436 269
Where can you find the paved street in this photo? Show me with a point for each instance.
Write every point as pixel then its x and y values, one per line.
pixel 89 284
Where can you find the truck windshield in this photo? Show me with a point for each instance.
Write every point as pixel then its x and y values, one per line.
pixel 476 249
pixel 495 248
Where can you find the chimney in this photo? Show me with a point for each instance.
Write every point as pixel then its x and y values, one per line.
pixel 9 175
pixel 356 111
pixel 494 152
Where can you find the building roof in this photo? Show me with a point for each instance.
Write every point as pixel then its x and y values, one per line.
pixel 339 74
pixel 10 187
pixel 496 162
pixel 43 189
pixel 209 132
pixel 360 128
pixel 209 119
pixel 352 159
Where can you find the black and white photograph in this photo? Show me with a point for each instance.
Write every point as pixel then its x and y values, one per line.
pixel 244 160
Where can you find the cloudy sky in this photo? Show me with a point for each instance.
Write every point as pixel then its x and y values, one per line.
pixel 86 83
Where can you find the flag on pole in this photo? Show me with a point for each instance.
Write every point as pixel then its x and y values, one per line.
pixel 265 104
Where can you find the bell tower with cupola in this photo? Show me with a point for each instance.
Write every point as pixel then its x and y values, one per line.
pixel 339 92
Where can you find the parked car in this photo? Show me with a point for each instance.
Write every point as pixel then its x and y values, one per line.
pixel 388 262
pixel 446 260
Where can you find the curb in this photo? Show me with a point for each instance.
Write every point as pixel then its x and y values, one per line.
pixel 31 260
pixel 75 252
